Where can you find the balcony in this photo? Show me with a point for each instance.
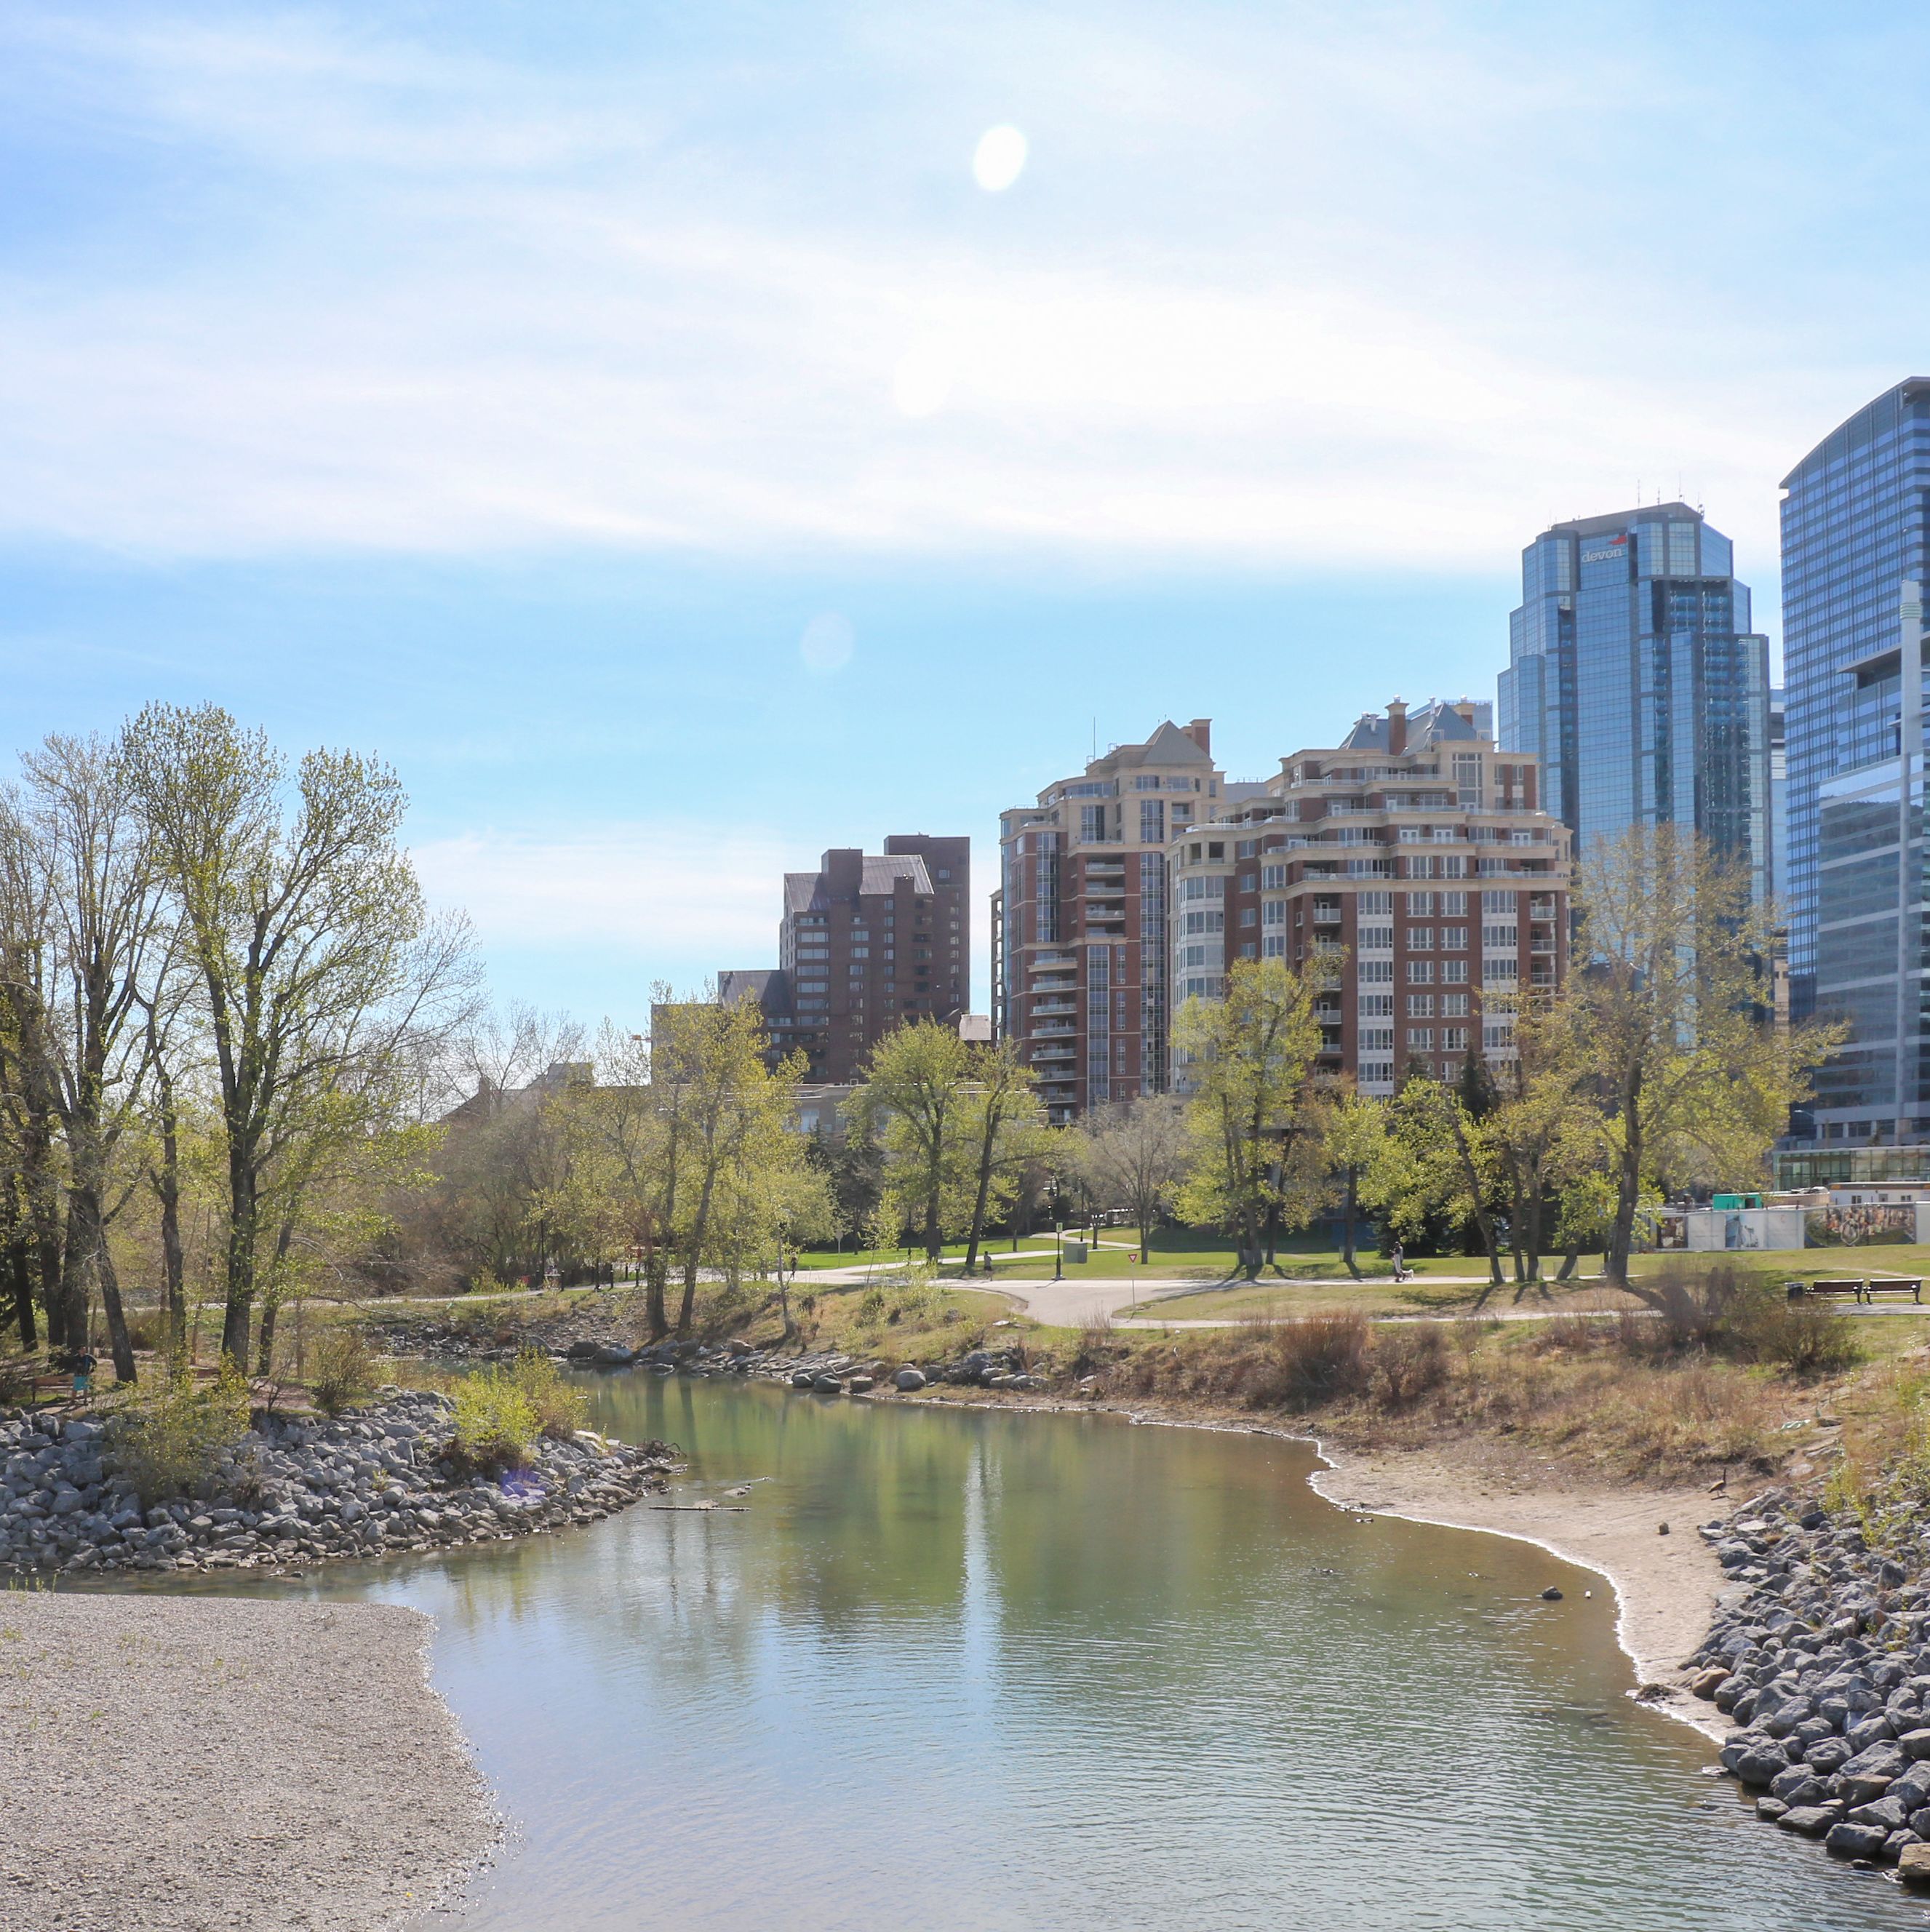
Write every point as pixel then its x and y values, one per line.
pixel 1057 1030
pixel 1054 1002
pixel 1054 962
pixel 1055 1052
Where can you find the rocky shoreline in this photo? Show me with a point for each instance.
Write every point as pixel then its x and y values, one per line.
pixel 1820 1654
pixel 298 1490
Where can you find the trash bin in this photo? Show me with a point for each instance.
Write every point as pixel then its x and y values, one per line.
pixel 1075 1251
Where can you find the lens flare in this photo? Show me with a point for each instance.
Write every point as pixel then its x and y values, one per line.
pixel 999 159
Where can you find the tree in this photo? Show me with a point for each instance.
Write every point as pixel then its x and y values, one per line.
pixel 318 967
pixel 1444 1132
pixel 1668 1007
pixel 1005 1124
pixel 1134 1152
pixel 1248 1059
pixel 1356 1145
pixel 723 1116
pixel 912 1101
pixel 75 862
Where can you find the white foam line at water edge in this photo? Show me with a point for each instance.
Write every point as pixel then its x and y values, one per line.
pixel 1647 1669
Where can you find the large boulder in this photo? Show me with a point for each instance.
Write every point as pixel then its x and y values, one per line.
pixel 1913 1864
pixel 909 1379
pixel 827 1385
pixel 1856 1841
pixel 612 1356
pixel 1827 1755
pixel 1760 1766
pixel 1811 1820
pixel 802 1379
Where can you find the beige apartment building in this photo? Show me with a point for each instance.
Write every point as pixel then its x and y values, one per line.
pixel 1079 952
pixel 1418 847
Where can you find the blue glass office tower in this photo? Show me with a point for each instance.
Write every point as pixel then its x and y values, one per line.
pixel 1856 549
pixel 1635 677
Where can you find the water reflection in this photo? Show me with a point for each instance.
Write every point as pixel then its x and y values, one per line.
pixel 980 1670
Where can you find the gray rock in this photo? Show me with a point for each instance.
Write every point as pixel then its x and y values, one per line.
pixel 1761 1767
pixel 611 1356
pixel 1811 1820
pixel 1769 1810
pixel 1830 1754
pixel 827 1385
pixel 862 1384
pixel 1856 1841
pixel 909 1379
pixel 1886 1811
pixel 802 1379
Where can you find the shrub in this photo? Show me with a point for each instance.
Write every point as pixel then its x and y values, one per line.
pixel 1805 1337
pixel 346 1370
pixel 1408 1362
pixel 495 1422
pixel 560 1407
pixel 168 1433
pixel 871 1306
pixel 1311 1358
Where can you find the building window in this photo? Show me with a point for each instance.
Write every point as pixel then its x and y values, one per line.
pixel 1373 972
pixel 1453 972
pixel 1421 1039
pixel 1375 1006
pixel 1454 905
pixel 1420 1005
pixel 1499 972
pixel 1420 972
pixel 1453 1006
pixel 1152 821
pixel 1091 823
pixel 1374 904
pixel 1273 878
pixel 1421 939
pixel 1500 938
pixel 1250 915
pixel 1376 1040
pixel 1454 1040
pixel 1273 946
pixel 1453 939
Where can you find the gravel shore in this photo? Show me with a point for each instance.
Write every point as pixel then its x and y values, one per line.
pixel 196 1763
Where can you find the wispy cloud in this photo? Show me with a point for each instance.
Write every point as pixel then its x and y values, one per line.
pixel 644 893
pixel 1371 285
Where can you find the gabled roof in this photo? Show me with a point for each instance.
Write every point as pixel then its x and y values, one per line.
pixel 803 890
pixel 1168 745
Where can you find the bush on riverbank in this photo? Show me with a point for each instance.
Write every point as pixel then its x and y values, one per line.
pixel 167 1434
pixel 496 1423
pixel 346 1370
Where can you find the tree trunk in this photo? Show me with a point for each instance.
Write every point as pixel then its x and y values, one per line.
pixel 120 1343
pixel 1570 1263
pixel 265 1344
pixel 19 1264
pixel 1352 1208
pixel 240 1300
pixel 167 1191
pixel 987 1147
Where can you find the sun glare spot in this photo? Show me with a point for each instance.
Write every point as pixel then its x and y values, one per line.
pixel 826 645
pixel 921 383
pixel 999 159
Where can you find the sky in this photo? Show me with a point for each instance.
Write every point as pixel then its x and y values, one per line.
pixel 681 440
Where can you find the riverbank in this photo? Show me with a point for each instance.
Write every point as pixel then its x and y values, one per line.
pixel 187 1763
pixel 294 1491
pixel 1666 1586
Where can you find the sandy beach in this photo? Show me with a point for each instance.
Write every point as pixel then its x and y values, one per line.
pixel 1665 1585
pixel 190 1763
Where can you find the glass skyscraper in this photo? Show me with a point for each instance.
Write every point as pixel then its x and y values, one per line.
pixel 1635 678
pixel 1856 549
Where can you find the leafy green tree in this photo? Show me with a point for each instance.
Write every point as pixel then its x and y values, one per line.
pixel 1006 1128
pixel 1248 1062
pixel 319 972
pixel 1668 1006
pixel 1357 1153
pixel 914 1102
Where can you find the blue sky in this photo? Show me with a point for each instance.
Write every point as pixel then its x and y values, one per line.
pixel 514 388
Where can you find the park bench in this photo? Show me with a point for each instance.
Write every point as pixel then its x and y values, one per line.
pixel 1836 1290
pixel 1896 1285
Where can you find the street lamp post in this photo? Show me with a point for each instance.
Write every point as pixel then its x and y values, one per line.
pixel 1058 1252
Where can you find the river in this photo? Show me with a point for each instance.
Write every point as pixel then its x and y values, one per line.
pixel 968 1669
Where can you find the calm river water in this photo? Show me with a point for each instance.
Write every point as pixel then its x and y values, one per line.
pixel 971 1669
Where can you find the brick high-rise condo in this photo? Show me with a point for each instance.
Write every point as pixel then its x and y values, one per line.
pixel 1414 844
pixel 867 942
pixel 1078 923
